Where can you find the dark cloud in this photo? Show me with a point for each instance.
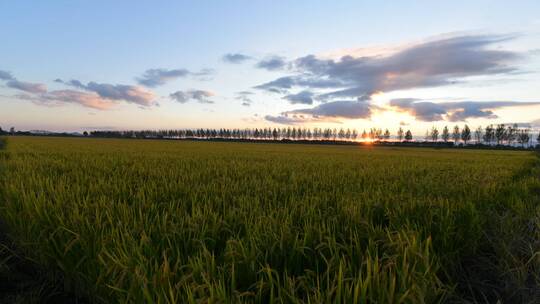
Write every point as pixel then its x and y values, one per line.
pixel 433 63
pixel 272 63
pixel 303 97
pixel 331 111
pixel 280 85
pixel 426 111
pixel 350 109
pixel 236 58
pixel 128 93
pixel 283 84
pixel 4 75
pixel 29 87
pixel 199 96
pixel 453 111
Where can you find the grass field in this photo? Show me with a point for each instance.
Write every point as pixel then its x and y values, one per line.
pixel 190 222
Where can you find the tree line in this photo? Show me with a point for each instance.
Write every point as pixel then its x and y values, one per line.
pixel 501 134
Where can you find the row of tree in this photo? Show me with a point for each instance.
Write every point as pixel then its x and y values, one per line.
pixel 491 135
pixel 4 132
pixel 499 135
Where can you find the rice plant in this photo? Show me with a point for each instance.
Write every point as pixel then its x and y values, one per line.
pixel 189 222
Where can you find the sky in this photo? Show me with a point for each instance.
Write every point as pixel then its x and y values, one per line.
pixel 96 65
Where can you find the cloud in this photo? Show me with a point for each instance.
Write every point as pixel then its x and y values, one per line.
pixel 4 75
pixel 280 85
pixel 303 97
pixel 29 87
pixel 128 93
pixel 156 77
pixel 453 111
pixel 245 93
pixel 283 84
pixel 432 63
pixel 73 83
pixel 272 63
pixel 236 58
pixel 87 99
pixel 204 73
pixel 24 86
pixel 350 109
pixel 100 96
pixel 331 111
pixel 61 97
pixel 244 97
pixel 286 119
pixel 199 96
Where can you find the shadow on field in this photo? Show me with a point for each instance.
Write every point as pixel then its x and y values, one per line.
pixel 21 280
pixel 507 264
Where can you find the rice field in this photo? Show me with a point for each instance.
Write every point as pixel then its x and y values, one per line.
pixel 152 221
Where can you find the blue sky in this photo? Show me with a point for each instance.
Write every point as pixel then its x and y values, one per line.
pixel 78 65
